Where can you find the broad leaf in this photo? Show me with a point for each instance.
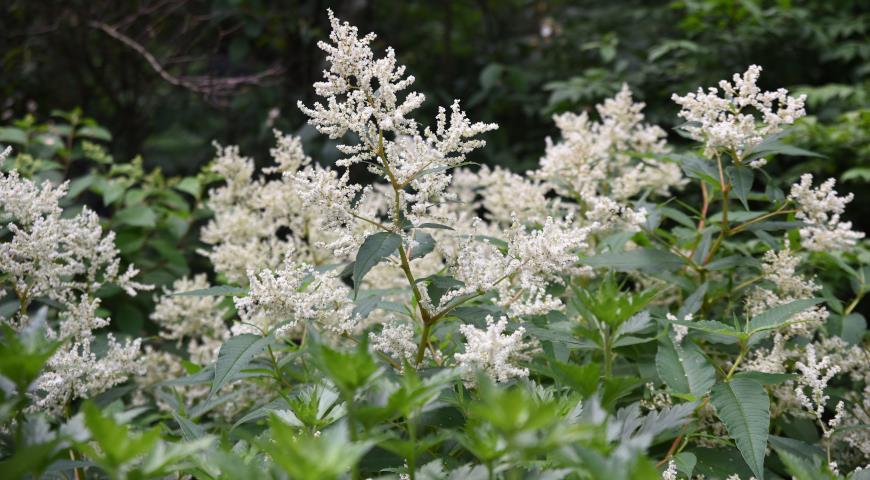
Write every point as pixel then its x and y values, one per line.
pixel 765 378
pixel 779 316
pixel 683 368
pixel 693 302
pixel 137 216
pixel 744 407
pixel 234 355
pixel 375 248
pixel 741 183
pixel 424 245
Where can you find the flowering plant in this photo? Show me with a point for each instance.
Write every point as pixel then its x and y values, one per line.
pixel 582 320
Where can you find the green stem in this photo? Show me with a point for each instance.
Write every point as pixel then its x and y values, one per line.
pixel 853 304
pixel 412 461
pixel 424 339
pixel 608 356
pixel 743 349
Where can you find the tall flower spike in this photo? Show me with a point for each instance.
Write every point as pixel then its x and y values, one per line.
pixel 362 93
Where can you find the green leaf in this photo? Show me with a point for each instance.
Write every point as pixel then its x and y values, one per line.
pixel 95 132
pixel 582 379
pixel 558 336
pixel 683 368
pixel 799 468
pixel 741 183
pixel 234 355
pixel 772 146
pixel 425 245
pixel 686 462
pixel 850 328
pixel 13 135
pixel 732 261
pixel 744 407
pixel 640 259
pixel 779 316
pixel 190 185
pixel 189 430
pixel 765 378
pixel 720 462
pixel 375 248
pixel 856 173
pixel 693 302
pixel 438 285
pixel 436 226
pixel 137 216
pixel 219 290
pixel 112 190
pixel 700 168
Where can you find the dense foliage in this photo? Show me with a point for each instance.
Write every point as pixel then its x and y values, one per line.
pixel 628 308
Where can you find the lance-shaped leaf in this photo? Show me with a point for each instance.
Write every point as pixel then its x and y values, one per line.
pixel 744 407
pixel 683 368
pixel 639 259
pixel 779 316
pixel 234 355
pixel 219 290
pixel 693 303
pixel 741 183
pixel 375 248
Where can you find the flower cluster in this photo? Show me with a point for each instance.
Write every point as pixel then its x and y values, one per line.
pixel 294 293
pixel 820 209
pixel 195 321
pixel 396 340
pixel 814 375
pixel 780 270
pixel 492 351
pixel 249 212
pixel 601 158
pixel 364 96
pixel 520 274
pixel 729 122
pixel 64 260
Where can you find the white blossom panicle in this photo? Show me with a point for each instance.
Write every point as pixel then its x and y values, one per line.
pixel 780 269
pixel 616 157
pixel 493 352
pixel 25 200
pixel 249 212
pixel 364 95
pixel 814 375
pixel 506 195
pixel 609 214
pixel 729 122
pixel 533 259
pixel 396 340
pixel 288 154
pixel 295 293
pixel 820 208
pixel 66 260
pixel 196 321
pixel 74 371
